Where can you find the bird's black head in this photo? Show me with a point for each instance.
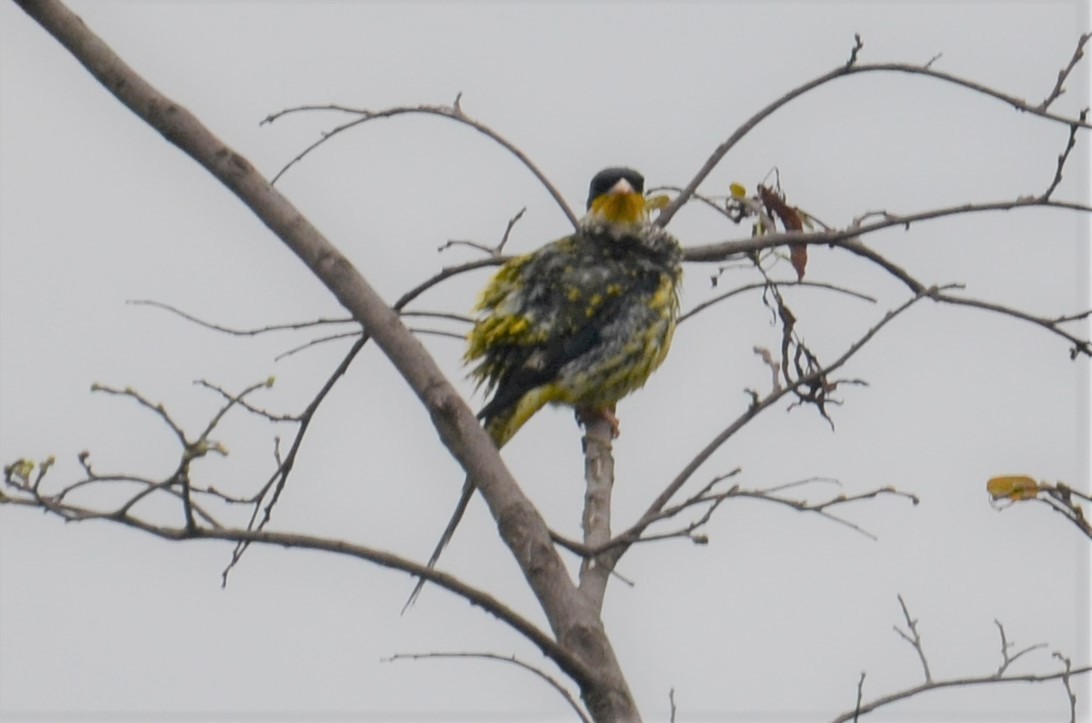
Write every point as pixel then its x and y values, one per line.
pixel 608 178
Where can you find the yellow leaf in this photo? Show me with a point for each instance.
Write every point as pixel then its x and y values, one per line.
pixel 21 470
pixel 738 190
pixel 1012 487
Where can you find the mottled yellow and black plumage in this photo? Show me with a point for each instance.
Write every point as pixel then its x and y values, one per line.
pixel 582 321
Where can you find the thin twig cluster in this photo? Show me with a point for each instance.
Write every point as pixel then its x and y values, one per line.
pixel 1001 676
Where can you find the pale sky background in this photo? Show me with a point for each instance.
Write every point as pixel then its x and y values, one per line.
pixel 776 618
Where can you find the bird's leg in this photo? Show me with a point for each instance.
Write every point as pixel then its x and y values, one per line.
pixel 585 415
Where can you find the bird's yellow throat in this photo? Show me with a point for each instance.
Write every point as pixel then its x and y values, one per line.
pixel 620 208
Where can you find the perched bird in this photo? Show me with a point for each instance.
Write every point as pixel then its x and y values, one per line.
pixel 583 321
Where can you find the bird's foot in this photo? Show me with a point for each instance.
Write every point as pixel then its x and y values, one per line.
pixel 587 415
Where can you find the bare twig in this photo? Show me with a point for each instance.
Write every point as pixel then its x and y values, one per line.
pixel 14 477
pixel 857 45
pixel 714 499
pixel 996 677
pixel 443 275
pixel 1065 677
pixel 289 326
pixel 317 341
pixel 279 478
pixel 860 694
pixel 1078 346
pixel 914 638
pixel 1060 498
pixel 508 230
pixel 759 285
pixel 461 318
pixel 241 401
pixel 984 680
pixel 1006 659
pixel 839 237
pixel 705 497
pixel 444 333
pixel 559 655
pixel 270 492
pixel 158 409
pixel 455 242
pixel 1064 155
pixel 1063 74
pixel 1072 317
pixel 709 500
pixel 494 251
pixel 277 481
pixel 453 112
pixel 230 401
pixel 543 675
pixel 652 513
pixel 851 67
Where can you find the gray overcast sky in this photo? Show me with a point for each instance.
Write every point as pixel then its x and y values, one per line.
pixel 781 612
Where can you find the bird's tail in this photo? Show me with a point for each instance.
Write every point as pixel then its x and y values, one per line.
pixel 456 518
pixel 501 424
pixel 502 418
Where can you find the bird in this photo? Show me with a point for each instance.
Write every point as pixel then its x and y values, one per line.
pixel 583 321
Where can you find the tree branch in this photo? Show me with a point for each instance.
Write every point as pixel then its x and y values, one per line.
pixel 453 112
pixel 835 237
pixel 574 622
pixel 1063 74
pixel 623 541
pixel 849 239
pixel 599 479
pixel 503 659
pixel 851 67
pixel 997 677
pixel 56 505
pixel 955 683
pixel 914 638
pixel 1006 658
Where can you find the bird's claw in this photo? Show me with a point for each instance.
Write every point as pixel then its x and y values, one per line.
pixel 587 415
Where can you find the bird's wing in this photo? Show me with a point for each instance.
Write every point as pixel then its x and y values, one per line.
pixel 542 312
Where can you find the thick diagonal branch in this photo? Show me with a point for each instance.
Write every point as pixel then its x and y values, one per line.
pixel 574 621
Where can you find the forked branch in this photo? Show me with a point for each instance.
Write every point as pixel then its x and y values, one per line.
pixel 996 678
pixel 853 67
